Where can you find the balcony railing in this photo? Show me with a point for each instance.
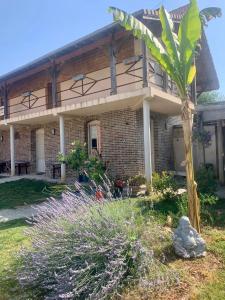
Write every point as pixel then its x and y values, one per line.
pixel 94 85
pixel 82 87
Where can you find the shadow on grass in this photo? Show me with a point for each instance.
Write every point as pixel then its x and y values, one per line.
pixel 215 214
pixel 211 215
pixel 13 224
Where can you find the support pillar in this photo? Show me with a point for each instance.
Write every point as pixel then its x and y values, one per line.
pixel 62 146
pixel 220 152
pixel 12 149
pixel 147 140
pixel 112 56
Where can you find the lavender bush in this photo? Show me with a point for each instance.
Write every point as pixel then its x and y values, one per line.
pixel 84 249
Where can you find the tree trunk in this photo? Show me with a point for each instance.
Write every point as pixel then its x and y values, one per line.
pixel 193 201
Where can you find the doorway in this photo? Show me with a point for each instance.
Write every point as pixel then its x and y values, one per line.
pixel 40 151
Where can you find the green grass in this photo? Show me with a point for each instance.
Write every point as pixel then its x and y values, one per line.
pixel 22 192
pixel 11 240
pixel 213 287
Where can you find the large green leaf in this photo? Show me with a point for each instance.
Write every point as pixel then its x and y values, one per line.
pixel 140 31
pixel 169 37
pixel 188 36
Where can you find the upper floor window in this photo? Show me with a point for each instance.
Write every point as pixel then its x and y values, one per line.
pixel 94 138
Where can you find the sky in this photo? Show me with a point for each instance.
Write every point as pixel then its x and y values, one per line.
pixel 31 28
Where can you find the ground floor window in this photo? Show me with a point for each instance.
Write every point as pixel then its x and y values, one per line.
pixel 94 138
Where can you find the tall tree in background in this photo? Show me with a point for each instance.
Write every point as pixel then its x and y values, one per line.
pixel 175 54
pixel 210 97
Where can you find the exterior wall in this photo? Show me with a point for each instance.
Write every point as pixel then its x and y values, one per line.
pixel 94 64
pixel 163 139
pixel 22 144
pixel 122 141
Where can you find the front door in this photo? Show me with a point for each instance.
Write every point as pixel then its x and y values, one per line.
pixel 40 151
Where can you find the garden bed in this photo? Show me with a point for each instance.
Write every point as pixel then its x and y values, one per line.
pixel 199 279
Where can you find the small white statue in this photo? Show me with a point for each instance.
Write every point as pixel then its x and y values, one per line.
pixel 186 240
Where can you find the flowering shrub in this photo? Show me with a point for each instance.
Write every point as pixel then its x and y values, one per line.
pixel 79 160
pixel 164 184
pixel 84 249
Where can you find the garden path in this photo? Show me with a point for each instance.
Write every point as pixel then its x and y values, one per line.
pixel 20 212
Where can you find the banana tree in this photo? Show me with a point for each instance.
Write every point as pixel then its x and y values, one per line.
pixel 175 54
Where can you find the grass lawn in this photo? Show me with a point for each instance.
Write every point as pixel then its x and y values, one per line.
pixel 11 240
pixel 22 192
pixel 202 279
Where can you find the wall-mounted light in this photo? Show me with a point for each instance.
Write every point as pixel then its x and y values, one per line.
pixel 53 131
pixel 131 60
pixel 78 77
pixel 26 94
pixel 166 125
pixel 2 138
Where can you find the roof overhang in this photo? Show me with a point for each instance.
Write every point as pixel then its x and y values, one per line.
pixel 207 80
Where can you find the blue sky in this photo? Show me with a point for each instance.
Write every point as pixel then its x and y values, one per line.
pixel 31 28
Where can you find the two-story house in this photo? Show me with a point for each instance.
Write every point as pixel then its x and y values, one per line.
pixel 104 89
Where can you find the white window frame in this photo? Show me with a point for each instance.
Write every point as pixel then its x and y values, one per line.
pixel 95 123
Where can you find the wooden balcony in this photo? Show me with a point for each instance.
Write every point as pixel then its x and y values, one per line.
pixel 131 74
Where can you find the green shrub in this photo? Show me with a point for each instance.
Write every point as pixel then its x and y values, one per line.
pixel 164 184
pixel 206 180
pixel 87 250
pixel 137 180
pixel 79 160
pixel 207 202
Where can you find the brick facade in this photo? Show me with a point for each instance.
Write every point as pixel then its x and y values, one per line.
pixel 163 141
pixel 122 141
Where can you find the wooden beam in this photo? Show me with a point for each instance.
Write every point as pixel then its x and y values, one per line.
pixel 144 65
pixel 112 57
pixel 165 81
pixel 5 100
pixel 54 74
pixel 65 57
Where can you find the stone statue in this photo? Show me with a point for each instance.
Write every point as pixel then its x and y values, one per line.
pixel 186 240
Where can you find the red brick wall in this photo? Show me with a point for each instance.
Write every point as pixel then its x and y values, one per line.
pixel 121 141
pixel 22 144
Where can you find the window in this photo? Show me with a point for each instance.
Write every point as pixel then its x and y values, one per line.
pixel 94 138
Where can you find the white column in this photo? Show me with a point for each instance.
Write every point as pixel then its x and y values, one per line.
pixel 12 149
pixel 62 146
pixel 147 140
pixel 220 152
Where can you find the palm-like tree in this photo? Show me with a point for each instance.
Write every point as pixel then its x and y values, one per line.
pixel 175 54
